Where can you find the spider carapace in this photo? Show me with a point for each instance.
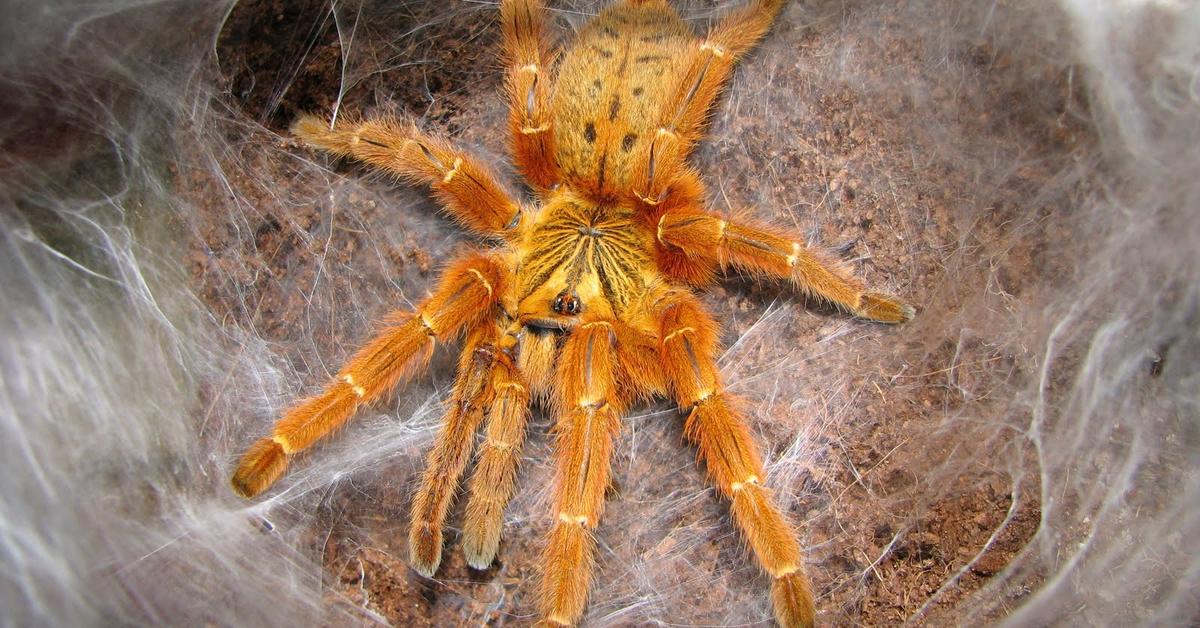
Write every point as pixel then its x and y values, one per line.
pixel 585 299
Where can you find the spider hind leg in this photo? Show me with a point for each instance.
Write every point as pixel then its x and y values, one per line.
pixel 528 83
pixel 688 356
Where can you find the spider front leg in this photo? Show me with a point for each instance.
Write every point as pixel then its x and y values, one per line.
pixel 764 250
pixel 468 191
pixel 588 411
pixel 465 296
pixel 469 402
pixel 495 474
pixel 688 356
pixel 530 118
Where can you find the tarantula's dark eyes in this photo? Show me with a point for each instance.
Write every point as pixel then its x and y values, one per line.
pixel 567 303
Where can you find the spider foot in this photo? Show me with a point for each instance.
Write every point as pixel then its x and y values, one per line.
pixel 262 464
pixel 793 601
pixel 424 548
pixel 884 308
pixel 481 538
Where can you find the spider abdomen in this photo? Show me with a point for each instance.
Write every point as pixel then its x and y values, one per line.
pixel 613 84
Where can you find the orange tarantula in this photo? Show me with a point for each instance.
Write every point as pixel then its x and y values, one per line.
pixel 586 299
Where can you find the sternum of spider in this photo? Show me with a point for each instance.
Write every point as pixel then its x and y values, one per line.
pixel 579 260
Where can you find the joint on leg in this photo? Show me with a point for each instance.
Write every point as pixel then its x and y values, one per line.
pixel 785 571
pixel 590 404
pixel 716 50
pixel 512 386
pixel 453 171
pixel 359 391
pixel 532 67
pixel 534 130
pixel 486 284
pixel 795 256
pixel 652 202
pixel 579 520
pixel 283 444
pixel 664 131
pixel 752 480
pixel 721 225
pixel 682 330
pixel 427 324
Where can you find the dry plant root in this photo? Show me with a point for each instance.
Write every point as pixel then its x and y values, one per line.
pixel 586 302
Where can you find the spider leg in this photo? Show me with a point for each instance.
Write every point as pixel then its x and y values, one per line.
pixel 776 254
pixel 473 394
pixel 465 296
pixel 588 409
pixel 468 191
pixel 710 64
pixel 495 475
pixel 688 357
pixel 660 162
pixel 528 82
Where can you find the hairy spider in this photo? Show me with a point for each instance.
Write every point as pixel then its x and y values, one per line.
pixel 586 299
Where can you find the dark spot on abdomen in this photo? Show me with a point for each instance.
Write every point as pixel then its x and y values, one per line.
pixel 589 133
pixel 614 106
pixel 627 141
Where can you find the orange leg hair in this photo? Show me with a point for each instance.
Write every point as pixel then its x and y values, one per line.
pixel 474 393
pixel 468 191
pixel 775 254
pixel 661 162
pixel 495 474
pixel 465 296
pixel 688 356
pixel 530 118
pixel 589 420
pixel 710 65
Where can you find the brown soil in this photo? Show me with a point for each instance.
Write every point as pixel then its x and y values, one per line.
pixel 860 161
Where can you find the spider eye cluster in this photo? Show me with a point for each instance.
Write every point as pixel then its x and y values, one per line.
pixel 567 303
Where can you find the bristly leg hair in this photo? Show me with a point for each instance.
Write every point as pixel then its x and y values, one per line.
pixel 174 272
